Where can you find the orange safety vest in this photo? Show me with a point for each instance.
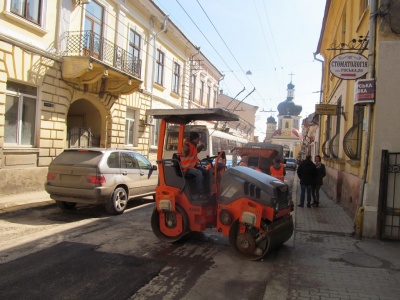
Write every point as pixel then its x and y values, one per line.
pixel 278 174
pixel 189 161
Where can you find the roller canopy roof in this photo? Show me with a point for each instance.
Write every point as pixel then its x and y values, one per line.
pixel 185 116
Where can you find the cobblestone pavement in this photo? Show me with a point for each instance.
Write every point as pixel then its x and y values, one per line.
pixel 328 262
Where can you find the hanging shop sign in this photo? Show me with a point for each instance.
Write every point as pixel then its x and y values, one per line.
pixel 364 91
pixel 325 109
pixel 349 66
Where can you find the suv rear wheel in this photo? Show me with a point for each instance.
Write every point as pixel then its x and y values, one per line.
pixel 117 202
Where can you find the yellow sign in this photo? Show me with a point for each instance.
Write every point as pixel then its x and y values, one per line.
pixel 325 109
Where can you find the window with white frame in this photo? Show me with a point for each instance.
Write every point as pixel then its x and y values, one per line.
pixel 131 124
pixel 208 95
pixel 155 132
pixel 20 114
pixel 160 67
pixel 193 88
pixel 176 78
pixel 30 10
pixel 201 92
pixel 134 44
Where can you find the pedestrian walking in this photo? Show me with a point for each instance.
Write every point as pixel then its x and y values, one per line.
pixel 318 180
pixel 306 172
pixel 277 170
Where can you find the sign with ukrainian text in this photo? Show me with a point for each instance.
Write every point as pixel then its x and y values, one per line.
pixel 349 66
pixel 364 91
pixel 325 109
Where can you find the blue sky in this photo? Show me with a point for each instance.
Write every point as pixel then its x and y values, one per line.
pixel 270 38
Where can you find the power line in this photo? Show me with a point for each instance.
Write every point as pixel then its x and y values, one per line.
pixel 226 46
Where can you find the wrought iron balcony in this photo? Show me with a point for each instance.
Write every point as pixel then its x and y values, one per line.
pixel 90 44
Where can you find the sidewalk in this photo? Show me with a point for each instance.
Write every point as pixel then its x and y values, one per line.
pixel 328 262
pixel 29 199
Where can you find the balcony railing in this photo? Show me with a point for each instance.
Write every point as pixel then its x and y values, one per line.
pixel 89 44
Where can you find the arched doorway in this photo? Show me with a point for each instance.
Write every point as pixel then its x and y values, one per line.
pixel 83 125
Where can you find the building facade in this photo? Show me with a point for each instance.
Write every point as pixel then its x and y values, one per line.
pixel 353 141
pixel 82 73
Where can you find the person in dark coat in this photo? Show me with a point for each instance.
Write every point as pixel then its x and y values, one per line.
pixel 306 172
pixel 318 180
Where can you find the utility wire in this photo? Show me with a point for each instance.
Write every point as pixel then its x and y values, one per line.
pixel 226 47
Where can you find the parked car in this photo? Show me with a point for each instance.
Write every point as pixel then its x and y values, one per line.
pixel 290 163
pixel 100 176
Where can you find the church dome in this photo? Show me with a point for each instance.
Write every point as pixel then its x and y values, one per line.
pixel 288 107
pixel 271 119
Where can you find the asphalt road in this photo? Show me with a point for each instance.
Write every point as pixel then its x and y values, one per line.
pixel 46 253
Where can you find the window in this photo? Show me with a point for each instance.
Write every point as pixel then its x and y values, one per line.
pixel 93 28
pixel 334 142
pixel 176 78
pixel 130 126
pixel 215 100
pixel 352 141
pixel 134 44
pixel 128 161
pixel 201 92
pixel 155 136
pixel 142 161
pixel 27 9
pixel 193 89
pixel 160 67
pixel 20 114
pixel 208 96
pixel 325 144
pixel 113 160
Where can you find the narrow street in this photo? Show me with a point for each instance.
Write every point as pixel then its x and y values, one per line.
pixel 82 253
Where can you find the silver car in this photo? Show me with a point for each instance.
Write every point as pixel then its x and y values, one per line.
pixel 95 175
pixel 291 163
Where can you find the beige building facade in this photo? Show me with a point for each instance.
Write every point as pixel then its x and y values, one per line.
pixel 82 73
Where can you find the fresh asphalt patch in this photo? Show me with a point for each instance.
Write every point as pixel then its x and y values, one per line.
pixel 75 271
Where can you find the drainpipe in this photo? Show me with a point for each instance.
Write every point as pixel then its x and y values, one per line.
pixel 320 96
pixel 164 28
pixel 368 110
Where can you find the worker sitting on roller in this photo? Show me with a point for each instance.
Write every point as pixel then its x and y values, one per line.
pixel 190 164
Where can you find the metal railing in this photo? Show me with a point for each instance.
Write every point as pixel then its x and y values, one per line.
pixel 334 146
pixel 325 149
pixel 352 142
pixel 90 44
